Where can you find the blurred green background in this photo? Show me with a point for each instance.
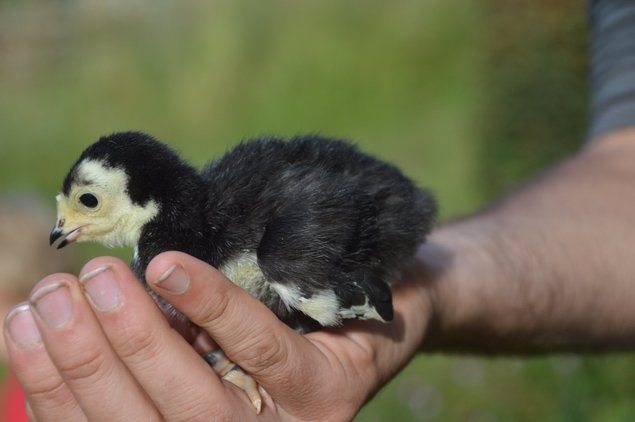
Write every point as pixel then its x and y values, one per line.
pixel 468 98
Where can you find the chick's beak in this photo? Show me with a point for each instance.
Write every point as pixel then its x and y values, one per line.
pixel 67 236
pixel 56 233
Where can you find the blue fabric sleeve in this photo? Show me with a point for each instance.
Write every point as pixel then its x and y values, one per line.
pixel 612 66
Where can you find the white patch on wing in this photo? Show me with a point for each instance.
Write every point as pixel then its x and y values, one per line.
pixel 364 311
pixel 243 270
pixel 289 295
pixel 322 306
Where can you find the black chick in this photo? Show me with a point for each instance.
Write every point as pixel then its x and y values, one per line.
pixel 312 227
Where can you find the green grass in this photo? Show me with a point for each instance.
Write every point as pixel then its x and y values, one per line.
pixel 204 76
pixel 414 83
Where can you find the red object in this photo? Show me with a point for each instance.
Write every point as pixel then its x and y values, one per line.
pixel 13 409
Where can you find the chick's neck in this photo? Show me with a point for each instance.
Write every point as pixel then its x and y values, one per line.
pixel 180 224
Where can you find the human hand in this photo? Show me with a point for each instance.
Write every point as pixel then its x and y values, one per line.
pixel 114 356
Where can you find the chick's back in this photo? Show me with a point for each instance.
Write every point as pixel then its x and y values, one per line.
pixel 319 214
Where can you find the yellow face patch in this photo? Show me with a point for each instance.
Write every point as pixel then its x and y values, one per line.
pixel 99 207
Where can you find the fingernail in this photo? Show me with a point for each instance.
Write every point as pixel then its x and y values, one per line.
pixel 53 304
pixel 102 288
pixel 21 327
pixel 175 280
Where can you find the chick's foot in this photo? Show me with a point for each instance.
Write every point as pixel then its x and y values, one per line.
pixel 234 374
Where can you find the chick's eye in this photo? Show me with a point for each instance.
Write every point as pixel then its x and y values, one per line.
pixel 89 200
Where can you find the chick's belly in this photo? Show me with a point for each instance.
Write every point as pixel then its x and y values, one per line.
pixel 284 299
pixel 244 271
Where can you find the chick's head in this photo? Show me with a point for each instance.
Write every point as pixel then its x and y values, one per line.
pixel 94 205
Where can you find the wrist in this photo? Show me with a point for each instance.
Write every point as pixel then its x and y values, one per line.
pixel 461 264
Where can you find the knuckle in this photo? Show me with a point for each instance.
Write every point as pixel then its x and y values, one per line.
pixel 85 366
pixel 260 356
pixel 210 311
pixel 361 362
pixel 54 397
pixel 365 357
pixel 46 389
pixel 139 344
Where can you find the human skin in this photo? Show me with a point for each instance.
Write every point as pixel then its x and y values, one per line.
pixel 546 268
pixel 126 361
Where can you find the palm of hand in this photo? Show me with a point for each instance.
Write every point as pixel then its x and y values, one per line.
pixel 125 361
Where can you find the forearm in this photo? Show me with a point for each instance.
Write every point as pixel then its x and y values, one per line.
pixel 549 267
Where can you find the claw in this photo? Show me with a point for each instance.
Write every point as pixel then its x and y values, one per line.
pixel 233 373
pixel 240 379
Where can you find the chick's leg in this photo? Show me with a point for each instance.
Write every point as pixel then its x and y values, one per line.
pixel 210 351
pixel 233 373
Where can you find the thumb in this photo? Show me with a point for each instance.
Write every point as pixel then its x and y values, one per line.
pixel 244 328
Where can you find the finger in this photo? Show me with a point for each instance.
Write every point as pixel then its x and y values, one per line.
pixel 74 341
pixel 249 333
pixel 45 390
pixel 175 377
pixel 29 411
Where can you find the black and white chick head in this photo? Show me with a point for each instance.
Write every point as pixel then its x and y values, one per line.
pixel 117 186
pixel 312 227
pixel 95 206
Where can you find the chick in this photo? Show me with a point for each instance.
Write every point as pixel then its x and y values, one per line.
pixel 312 227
